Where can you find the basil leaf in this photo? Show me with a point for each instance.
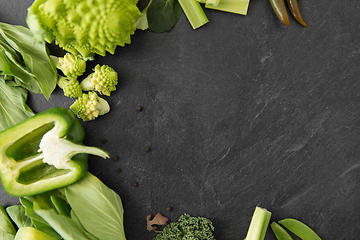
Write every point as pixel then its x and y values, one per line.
pixel 13 108
pixel 163 14
pixel 63 225
pixel 35 56
pixel 98 208
pixel 17 214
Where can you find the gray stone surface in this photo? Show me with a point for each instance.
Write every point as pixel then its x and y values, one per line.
pixel 243 112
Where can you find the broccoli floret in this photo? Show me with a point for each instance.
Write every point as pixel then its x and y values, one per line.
pixel 72 66
pixel 103 80
pixel 89 106
pixel 188 227
pixel 70 86
pixel 84 27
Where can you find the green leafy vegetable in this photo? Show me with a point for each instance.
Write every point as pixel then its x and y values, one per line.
pixel 63 225
pixel 300 229
pixel 6 225
pixel 33 59
pixel 188 227
pixel 163 14
pixel 30 233
pixel 18 216
pixel 90 197
pixel 13 108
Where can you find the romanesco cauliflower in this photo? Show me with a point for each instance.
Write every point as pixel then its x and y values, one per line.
pixel 72 66
pixel 84 27
pixel 103 80
pixel 70 86
pixel 89 106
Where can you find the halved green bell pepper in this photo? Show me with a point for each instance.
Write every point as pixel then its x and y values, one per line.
pixel 43 153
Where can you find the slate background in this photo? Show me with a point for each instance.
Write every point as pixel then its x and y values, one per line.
pixel 243 112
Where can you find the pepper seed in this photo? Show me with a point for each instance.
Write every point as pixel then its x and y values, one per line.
pixel 103 140
pixel 169 209
pixel 148 149
pixel 115 158
pixel 139 109
pixel 118 170
pixel 135 184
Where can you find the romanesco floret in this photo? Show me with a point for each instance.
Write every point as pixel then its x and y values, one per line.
pixel 188 227
pixel 72 66
pixel 70 86
pixel 89 106
pixel 84 27
pixel 103 80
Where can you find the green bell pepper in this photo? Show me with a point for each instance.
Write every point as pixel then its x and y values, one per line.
pixel 43 153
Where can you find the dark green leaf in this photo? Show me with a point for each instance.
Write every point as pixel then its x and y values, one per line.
pixel 163 14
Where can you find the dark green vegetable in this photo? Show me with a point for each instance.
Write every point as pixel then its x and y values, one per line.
pixel 188 227
pixel 163 14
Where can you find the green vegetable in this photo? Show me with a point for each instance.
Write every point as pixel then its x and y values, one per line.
pixel 233 6
pixel 30 233
pixel 300 229
pixel 6 226
pixel 87 209
pixel 103 80
pixel 18 216
pixel 72 66
pixel 163 14
pixel 25 63
pixel 43 153
pixel 84 27
pixel 194 13
pixel 70 86
pixel 280 233
pixel 90 197
pixel 188 227
pixel 13 108
pixel 258 225
pixel 89 106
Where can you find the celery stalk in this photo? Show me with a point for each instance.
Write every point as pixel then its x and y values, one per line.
pixel 194 13
pixel 233 6
pixel 258 225
pixel 214 3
